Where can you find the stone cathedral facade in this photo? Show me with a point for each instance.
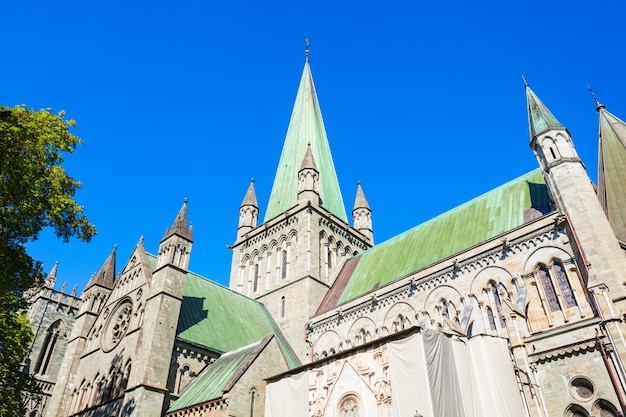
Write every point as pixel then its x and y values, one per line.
pixel 512 304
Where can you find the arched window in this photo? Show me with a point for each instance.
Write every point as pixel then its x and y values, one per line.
pixel 282 306
pixel 252 395
pixel 492 320
pixel 548 287
pixel 283 271
pixel 349 406
pixel 255 283
pixel 444 309
pixel 498 301
pixel 564 285
pixel 48 349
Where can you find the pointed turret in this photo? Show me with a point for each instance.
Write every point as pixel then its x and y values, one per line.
pixel 105 278
pixel 308 179
pixel 305 127
pixel 611 172
pixel 180 227
pixel 540 119
pixel 549 139
pixel 176 244
pixel 362 214
pixel 248 211
pixel 51 279
pixel 575 197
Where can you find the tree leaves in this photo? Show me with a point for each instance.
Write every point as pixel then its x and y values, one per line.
pixel 35 192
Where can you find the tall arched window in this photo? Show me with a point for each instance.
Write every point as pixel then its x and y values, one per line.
pixel 252 395
pixel 548 287
pixel 283 271
pixel 255 283
pixel 53 335
pixel 498 301
pixel 564 285
pixel 492 320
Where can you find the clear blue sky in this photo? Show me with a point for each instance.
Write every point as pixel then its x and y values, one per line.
pixel 423 102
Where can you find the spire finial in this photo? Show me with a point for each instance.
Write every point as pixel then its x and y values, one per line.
pixel 185 200
pixel 524 80
pixel 306 40
pixel 598 104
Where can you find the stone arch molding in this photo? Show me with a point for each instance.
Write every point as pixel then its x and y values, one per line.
pixel 442 291
pixel 400 316
pixel 496 274
pixel 545 255
pixel 329 340
pixel 363 330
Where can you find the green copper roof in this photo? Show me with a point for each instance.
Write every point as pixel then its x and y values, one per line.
pixel 209 385
pixel 612 170
pixel 472 223
pixel 306 126
pixel 540 119
pixel 221 319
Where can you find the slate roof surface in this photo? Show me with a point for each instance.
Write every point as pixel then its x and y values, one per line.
pixel 305 127
pixel 612 171
pixel 209 385
pixel 472 223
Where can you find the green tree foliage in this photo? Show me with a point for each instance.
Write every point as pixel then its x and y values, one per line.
pixel 35 192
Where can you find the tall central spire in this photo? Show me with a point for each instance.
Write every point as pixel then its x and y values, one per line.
pixel 305 127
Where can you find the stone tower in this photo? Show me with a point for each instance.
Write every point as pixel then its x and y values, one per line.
pixel 290 260
pixel 119 355
pixel 593 238
pixel 52 314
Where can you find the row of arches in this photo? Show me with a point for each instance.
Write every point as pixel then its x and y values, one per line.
pixel 552 292
pixel 265 269
pixel 333 253
pixel 103 388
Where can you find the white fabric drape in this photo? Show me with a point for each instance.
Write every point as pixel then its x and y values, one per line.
pixel 498 388
pixel 288 397
pixel 409 382
pixel 438 376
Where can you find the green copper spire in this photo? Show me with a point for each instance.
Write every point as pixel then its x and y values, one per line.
pixel 305 127
pixel 612 171
pixel 539 117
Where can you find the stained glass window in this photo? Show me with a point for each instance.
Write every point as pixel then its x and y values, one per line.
pixel 548 287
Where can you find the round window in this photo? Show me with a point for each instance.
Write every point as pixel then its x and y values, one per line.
pixel 117 325
pixel 582 388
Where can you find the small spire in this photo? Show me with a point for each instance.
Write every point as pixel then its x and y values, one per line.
pixel 524 80
pixel 540 119
pixel 360 200
pixel 308 162
pixel 180 224
pixel 140 240
pixel 51 279
pixel 599 105
pixel 106 275
pixel 250 197
pixel 306 40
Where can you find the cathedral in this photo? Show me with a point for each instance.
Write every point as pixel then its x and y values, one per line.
pixel 512 304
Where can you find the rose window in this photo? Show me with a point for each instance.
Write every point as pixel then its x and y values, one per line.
pixel 117 325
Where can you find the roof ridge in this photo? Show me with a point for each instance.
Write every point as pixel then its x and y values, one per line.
pixel 453 209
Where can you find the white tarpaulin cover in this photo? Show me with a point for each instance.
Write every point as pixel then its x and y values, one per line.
pixel 464 378
pixel 288 397
pixel 430 373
